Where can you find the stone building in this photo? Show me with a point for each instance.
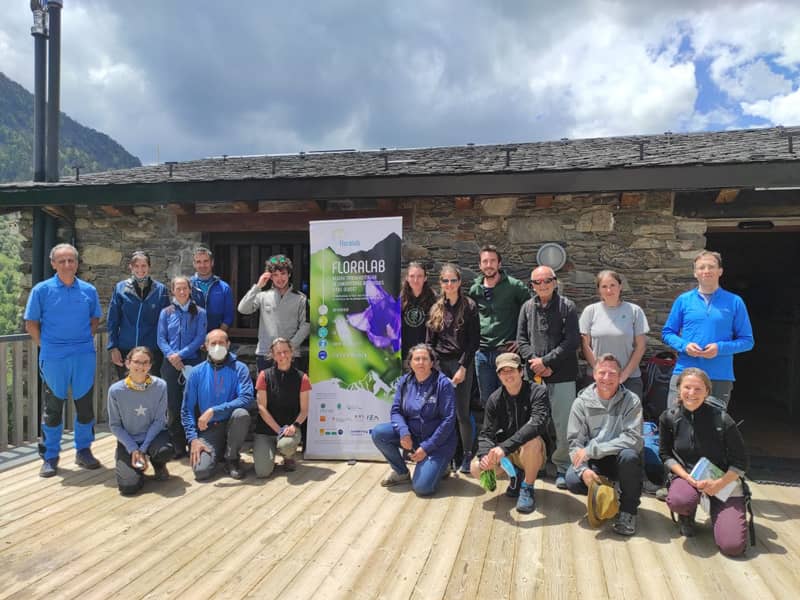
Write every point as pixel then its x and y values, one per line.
pixel 643 205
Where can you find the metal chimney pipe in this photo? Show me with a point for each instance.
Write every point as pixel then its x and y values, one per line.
pixel 53 87
pixel 39 33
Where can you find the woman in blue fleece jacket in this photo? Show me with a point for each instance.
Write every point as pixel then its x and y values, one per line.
pixel 423 424
pixel 181 333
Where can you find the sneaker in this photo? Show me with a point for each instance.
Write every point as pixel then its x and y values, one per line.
pixel 161 472
pixel 561 481
pixel 465 462
pixel 662 494
pixel 395 478
pixel 625 523
pixel 650 488
pixel 686 525
pixel 84 458
pixel 526 503
pixel 234 469
pixel 49 467
pixel 289 464
pixel 512 491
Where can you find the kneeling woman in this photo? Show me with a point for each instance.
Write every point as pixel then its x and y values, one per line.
pixel 137 416
pixel 282 397
pixel 423 424
pixel 689 431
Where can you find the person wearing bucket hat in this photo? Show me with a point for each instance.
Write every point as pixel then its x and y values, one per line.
pixel 605 438
pixel 602 503
pixel 515 427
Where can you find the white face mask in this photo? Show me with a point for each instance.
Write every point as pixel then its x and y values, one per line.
pixel 217 352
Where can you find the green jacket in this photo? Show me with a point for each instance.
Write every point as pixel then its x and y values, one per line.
pixel 498 317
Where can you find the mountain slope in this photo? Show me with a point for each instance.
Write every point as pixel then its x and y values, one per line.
pixel 78 145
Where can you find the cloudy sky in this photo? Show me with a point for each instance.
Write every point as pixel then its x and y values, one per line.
pixel 180 80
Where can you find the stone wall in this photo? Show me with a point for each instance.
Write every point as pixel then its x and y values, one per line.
pixel 634 233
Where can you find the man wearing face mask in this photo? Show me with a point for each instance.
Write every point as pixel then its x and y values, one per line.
pixel 220 391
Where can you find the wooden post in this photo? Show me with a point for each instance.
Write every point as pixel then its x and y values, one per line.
pixel 19 399
pixel 4 395
pixel 33 390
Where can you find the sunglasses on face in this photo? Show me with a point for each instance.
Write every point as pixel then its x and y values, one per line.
pixel 444 280
pixel 546 281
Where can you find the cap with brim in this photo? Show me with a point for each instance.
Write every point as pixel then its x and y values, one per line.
pixel 508 359
pixel 602 503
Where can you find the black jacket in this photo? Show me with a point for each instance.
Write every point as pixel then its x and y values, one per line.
pixel 550 333
pixel 686 437
pixel 510 422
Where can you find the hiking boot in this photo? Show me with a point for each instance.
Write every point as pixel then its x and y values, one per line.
pixel 662 493
pixel 395 478
pixel 686 525
pixel 526 503
pixel 512 491
pixel 161 472
pixel 84 458
pixel 650 488
pixel 625 523
pixel 289 464
pixel 561 481
pixel 49 467
pixel 234 469
pixel 465 462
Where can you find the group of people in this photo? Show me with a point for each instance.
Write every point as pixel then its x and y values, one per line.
pixel 203 403
pixel 519 342
pixel 532 407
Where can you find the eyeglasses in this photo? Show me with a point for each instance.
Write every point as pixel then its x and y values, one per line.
pixel 140 363
pixel 445 280
pixel 546 281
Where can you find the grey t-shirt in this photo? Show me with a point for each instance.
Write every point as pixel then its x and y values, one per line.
pixel 137 417
pixel 614 329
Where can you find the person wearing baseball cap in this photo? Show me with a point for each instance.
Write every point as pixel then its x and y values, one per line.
pixel 516 427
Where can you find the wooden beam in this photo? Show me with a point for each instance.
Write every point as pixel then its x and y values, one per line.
pixel 386 203
pixel 65 213
pixel 463 202
pixel 181 209
pixel 544 200
pixel 726 196
pixel 245 206
pixel 630 200
pixel 288 221
pixel 116 211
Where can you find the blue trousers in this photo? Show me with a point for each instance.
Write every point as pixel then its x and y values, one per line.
pixel 427 474
pixel 74 372
pixel 486 372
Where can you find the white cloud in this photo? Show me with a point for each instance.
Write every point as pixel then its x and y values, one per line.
pixel 781 110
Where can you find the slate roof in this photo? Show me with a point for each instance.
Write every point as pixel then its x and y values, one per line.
pixel 748 146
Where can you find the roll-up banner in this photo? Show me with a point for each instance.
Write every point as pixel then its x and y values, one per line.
pixel 354 347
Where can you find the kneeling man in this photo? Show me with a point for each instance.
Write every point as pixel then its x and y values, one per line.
pixel 605 438
pixel 215 414
pixel 516 424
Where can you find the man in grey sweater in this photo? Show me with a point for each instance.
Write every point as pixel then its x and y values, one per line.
pixel 137 416
pixel 282 310
pixel 605 438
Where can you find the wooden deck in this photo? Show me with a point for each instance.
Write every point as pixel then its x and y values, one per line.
pixel 329 530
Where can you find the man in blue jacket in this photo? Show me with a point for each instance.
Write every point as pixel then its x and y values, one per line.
pixel 210 292
pixel 215 409
pixel 61 317
pixel 707 326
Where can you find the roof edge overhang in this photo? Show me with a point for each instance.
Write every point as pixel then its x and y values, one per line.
pixel 784 174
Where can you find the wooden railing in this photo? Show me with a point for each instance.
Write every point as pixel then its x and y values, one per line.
pixel 19 389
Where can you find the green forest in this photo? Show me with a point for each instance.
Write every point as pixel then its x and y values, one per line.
pixel 79 145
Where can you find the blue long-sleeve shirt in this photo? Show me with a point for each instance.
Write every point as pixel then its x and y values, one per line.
pixel 181 331
pixel 223 387
pixel 426 411
pixel 723 320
